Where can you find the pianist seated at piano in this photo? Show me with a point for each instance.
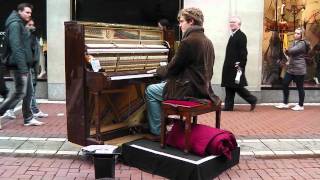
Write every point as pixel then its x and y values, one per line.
pixel 189 72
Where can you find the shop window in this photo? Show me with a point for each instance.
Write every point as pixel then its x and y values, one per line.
pixel 281 18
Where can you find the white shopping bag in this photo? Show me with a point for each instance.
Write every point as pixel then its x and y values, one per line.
pixel 238 76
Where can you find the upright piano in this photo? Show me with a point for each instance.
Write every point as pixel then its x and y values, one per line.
pixel 105 105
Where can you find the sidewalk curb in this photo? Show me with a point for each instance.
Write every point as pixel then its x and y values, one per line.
pixel 295 156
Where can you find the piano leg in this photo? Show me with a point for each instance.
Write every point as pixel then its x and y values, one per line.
pixel 97 119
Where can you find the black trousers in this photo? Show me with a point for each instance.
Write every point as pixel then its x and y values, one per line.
pixel 242 92
pixel 298 79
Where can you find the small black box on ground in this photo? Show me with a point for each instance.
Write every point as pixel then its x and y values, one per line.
pixel 104 160
pixel 104 166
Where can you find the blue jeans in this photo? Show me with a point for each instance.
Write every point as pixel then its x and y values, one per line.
pixel 23 91
pixel 298 79
pixel 34 106
pixel 153 100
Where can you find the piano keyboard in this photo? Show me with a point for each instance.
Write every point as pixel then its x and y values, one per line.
pixel 135 76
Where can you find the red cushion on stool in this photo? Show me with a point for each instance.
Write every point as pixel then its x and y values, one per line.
pixel 177 103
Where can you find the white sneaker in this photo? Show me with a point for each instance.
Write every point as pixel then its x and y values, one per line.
pixel 282 106
pixel 33 122
pixel 298 108
pixel 9 114
pixel 316 80
pixel 40 114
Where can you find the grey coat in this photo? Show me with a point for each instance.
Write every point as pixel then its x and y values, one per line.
pixel 297 62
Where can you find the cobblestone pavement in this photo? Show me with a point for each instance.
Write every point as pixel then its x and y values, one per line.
pixel 264 123
pixel 65 167
pixel 275 144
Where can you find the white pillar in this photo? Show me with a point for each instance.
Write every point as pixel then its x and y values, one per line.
pixel 58 11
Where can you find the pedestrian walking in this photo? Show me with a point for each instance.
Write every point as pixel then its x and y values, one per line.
pixel 296 69
pixel 233 73
pixel 20 61
pixel 35 45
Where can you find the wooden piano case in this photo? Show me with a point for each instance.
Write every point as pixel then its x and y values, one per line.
pixel 101 109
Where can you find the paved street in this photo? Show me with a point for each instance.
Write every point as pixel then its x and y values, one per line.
pixel 275 144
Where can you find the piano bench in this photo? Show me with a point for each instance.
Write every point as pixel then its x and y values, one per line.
pixel 186 109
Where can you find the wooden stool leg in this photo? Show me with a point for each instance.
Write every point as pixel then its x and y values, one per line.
pixel 187 133
pixel 195 119
pixel 163 130
pixel 218 117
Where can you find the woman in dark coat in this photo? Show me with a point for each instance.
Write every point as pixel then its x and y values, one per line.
pixel 235 59
pixel 190 71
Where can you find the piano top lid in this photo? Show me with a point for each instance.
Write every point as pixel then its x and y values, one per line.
pixel 126 51
pixel 112 25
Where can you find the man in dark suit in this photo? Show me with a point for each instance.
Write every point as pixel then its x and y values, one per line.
pixel 236 59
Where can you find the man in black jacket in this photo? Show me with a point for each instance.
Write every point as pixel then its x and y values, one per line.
pixel 20 60
pixel 37 113
pixel 235 60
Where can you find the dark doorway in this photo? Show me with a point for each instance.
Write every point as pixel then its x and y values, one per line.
pixel 136 12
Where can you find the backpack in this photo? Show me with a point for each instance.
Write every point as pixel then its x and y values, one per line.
pixel 307 46
pixel 4 47
pixel 307 56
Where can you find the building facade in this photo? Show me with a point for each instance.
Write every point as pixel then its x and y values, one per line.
pixel 216 14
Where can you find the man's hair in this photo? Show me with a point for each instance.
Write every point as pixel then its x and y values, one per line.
pixel 192 13
pixel 21 6
pixel 237 18
pixel 31 20
pixel 164 22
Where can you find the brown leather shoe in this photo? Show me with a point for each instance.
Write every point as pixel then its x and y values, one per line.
pixel 152 137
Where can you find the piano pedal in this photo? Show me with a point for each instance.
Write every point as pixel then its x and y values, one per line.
pixel 141 129
pixel 133 130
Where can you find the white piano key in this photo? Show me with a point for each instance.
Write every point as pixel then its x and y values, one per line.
pixel 135 76
pixel 101 46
